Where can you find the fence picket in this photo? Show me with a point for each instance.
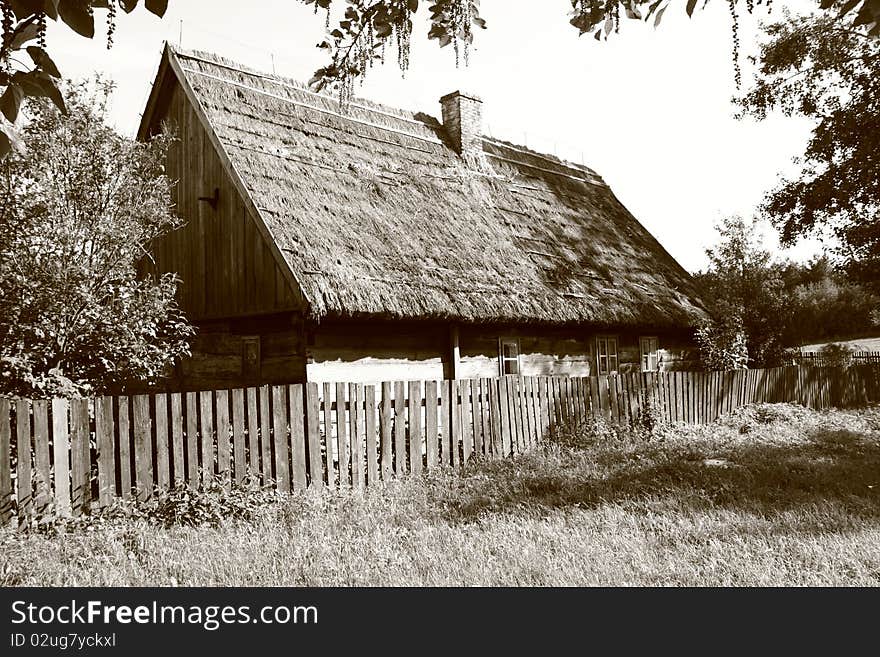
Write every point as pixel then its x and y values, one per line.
pixel 385 433
pixel 455 423
pixel 6 504
pixel 445 419
pixel 531 436
pixel 80 456
pixel 23 484
pixel 221 405
pixel 313 433
pixel 371 445
pixel 505 424
pixel 296 397
pixel 330 460
pixel 163 464
pixel 356 425
pixel 206 434
pixel 467 446
pixel 123 422
pixel 143 446
pixel 280 440
pixel 253 435
pixel 342 436
pixel 478 405
pixel 399 428
pixel 104 445
pixel 177 449
pixel 517 405
pixel 61 454
pixel 493 449
pixel 42 459
pixel 414 405
pixel 239 457
pixel 431 424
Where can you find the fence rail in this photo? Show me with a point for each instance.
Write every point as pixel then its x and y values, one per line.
pixel 66 456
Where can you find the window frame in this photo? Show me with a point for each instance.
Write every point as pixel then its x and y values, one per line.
pixel 645 367
pixel 608 340
pixel 502 340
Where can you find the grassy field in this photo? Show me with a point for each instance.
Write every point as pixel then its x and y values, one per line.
pixel 771 495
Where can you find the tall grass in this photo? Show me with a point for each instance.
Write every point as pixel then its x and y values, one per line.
pixel 771 495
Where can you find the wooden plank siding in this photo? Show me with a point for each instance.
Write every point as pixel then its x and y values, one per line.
pixel 226 266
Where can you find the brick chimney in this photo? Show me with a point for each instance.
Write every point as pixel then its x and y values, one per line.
pixel 463 122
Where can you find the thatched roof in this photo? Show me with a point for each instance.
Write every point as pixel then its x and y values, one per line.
pixel 376 215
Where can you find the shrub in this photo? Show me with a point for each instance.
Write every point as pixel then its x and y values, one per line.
pixel 836 354
pixel 722 346
pixel 187 506
pixel 649 419
pixel 181 505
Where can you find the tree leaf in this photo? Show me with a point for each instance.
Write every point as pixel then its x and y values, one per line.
pixel 129 6
pixel 158 7
pixel 691 5
pixel 659 15
pixel 26 34
pixel 848 7
pixel 9 139
pixel 51 9
pixel 42 59
pixel 37 83
pixel 77 16
pixel 24 8
pixel 866 14
pixel 5 143
pixel 652 8
pixel 10 102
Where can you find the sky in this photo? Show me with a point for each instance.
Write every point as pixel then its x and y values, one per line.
pixel 650 109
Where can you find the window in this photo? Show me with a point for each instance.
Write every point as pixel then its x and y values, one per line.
pixel 508 356
pixel 606 353
pixel 650 354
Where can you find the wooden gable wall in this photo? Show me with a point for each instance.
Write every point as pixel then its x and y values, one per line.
pixel 227 267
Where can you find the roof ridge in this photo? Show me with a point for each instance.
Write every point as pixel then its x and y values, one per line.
pixel 359 102
pixel 553 159
pixel 351 119
pixel 393 112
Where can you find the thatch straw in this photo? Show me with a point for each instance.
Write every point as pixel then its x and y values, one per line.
pixel 377 216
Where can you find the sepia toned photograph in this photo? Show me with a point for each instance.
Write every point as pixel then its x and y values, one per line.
pixel 341 294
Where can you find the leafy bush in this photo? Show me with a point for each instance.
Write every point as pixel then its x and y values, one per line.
pixel 649 419
pixel 722 345
pixel 836 354
pixel 79 211
pixel 181 505
pixel 187 506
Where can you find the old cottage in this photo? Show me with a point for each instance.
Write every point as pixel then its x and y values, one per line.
pixel 379 244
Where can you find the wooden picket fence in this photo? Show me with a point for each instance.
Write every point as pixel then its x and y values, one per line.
pixel 817 358
pixel 64 456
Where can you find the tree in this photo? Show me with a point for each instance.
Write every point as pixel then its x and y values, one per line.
pixel 80 208
pixel 744 292
pixel 826 304
pixel 360 38
pixel 26 69
pixel 368 27
pixel 823 68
